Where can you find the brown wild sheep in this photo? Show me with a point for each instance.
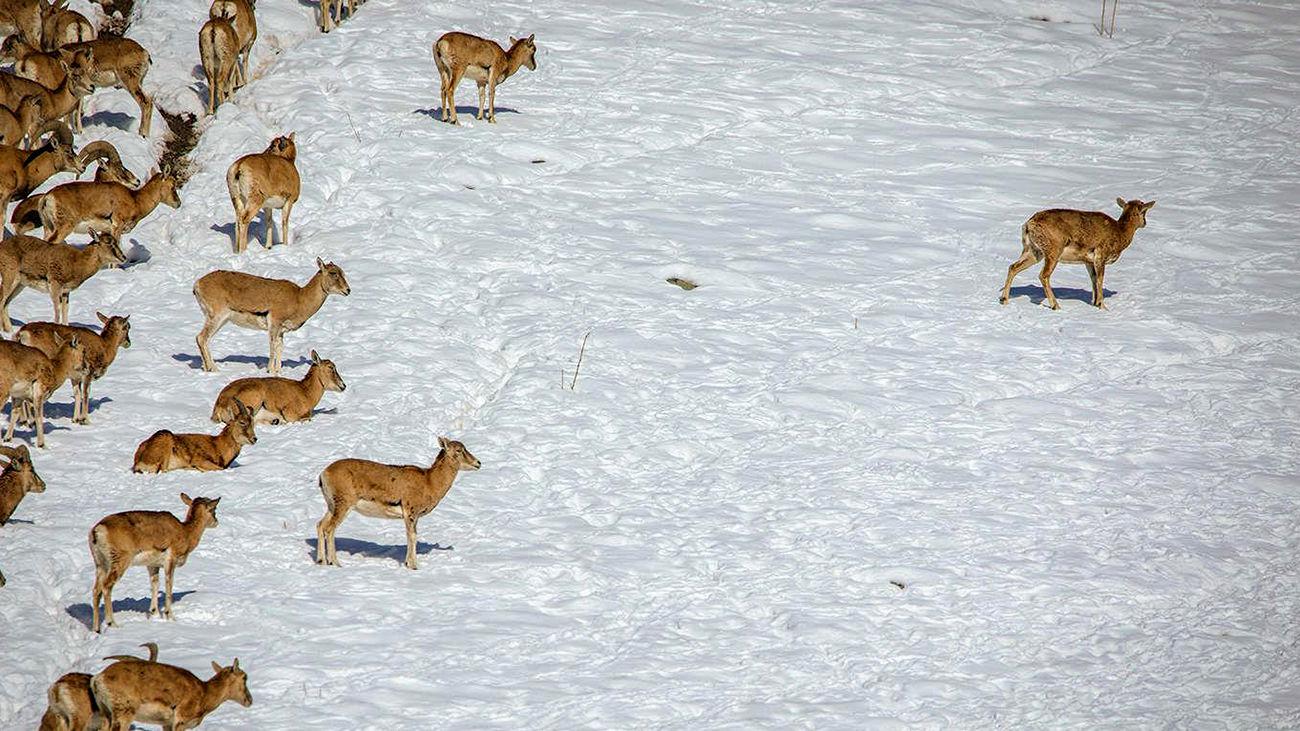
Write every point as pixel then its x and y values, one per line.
pixel 1089 237
pixel 166 450
pixel 404 492
pixel 151 538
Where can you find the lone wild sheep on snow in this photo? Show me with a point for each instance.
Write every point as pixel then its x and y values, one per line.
pixel 459 55
pixel 1090 237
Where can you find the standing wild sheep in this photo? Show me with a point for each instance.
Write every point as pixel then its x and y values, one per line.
pixel 459 55
pixel 57 268
pixel 1089 237
pixel 29 378
pixel 244 20
pixel 219 54
pixel 122 63
pixel 100 350
pixel 275 305
pixel 404 492
pixel 154 539
pixel 263 181
pixel 23 170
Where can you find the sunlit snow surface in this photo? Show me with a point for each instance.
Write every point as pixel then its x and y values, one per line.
pixel 1091 514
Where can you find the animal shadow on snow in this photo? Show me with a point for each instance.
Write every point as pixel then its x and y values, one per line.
pixel 63 410
pixel 106 118
pixel 435 113
pixel 28 433
pixel 228 229
pixel 374 550
pixel 255 228
pixel 82 612
pixel 1062 293
pixel 196 361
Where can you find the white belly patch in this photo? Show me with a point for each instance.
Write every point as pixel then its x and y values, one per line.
pixel 372 509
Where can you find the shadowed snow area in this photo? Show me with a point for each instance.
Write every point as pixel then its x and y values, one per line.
pixel 837 485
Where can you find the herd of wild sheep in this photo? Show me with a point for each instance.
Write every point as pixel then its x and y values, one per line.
pixel 58 60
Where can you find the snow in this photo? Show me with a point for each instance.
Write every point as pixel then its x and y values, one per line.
pixel 1090 514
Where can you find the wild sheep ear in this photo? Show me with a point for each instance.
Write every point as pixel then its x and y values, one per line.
pixel 102 317
pixel 215 667
pixel 315 358
pixel 513 40
pixel 320 264
pixel 1121 202
pixel 291 134
pixel 216 502
pixel 235 665
pixel 532 36
pixel 186 499
pixel 1149 205
pixel 444 442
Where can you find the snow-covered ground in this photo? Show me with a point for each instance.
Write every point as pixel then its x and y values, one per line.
pixel 837 485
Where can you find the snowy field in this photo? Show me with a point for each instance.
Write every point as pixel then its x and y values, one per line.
pixel 836 486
